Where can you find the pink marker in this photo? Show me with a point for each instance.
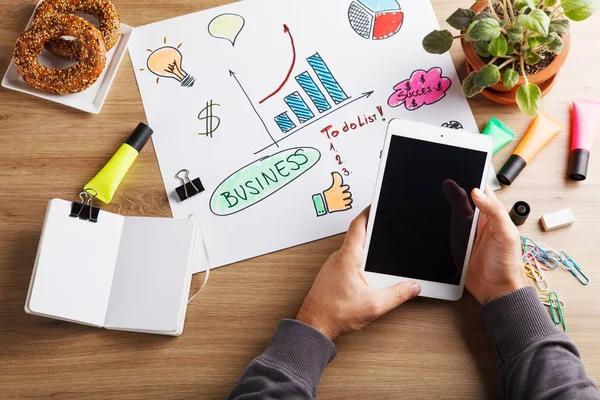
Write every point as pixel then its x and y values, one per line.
pixel 586 113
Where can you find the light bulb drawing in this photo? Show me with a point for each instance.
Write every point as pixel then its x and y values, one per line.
pixel 165 62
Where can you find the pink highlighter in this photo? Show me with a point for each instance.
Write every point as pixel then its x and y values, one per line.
pixel 586 113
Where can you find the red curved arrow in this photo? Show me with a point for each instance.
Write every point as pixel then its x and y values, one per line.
pixel 287 77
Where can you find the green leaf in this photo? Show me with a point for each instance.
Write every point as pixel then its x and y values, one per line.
pixel 461 18
pixel 481 47
pixel 531 4
pixel 468 33
pixel 531 57
pixel 536 21
pixel 561 26
pixel 510 78
pixel 520 4
pixel 483 15
pixel 528 99
pixel 550 3
pixel 511 50
pixel 485 29
pixel 438 42
pixel 532 41
pixel 498 47
pixel 515 34
pixel 546 39
pixel 468 86
pixel 487 76
pixel 578 10
pixel 556 45
pixel 523 11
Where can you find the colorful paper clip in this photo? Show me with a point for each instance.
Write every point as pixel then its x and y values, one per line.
pixel 572 267
pixel 534 272
pixel 540 253
pixel 545 301
pixel 556 310
pixel 553 257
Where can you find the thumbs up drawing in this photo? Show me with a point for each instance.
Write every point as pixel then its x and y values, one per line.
pixel 334 199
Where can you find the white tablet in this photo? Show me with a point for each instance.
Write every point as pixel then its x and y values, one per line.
pixel 422 222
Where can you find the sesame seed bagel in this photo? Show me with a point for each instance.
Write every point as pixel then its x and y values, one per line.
pixel 88 47
pixel 104 10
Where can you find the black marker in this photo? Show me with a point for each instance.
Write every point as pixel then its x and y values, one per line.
pixel 519 212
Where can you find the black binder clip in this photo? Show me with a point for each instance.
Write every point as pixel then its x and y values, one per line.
pixel 188 188
pixel 85 210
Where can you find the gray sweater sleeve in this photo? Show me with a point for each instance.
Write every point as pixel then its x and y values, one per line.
pixel 536 360
pixel 290 367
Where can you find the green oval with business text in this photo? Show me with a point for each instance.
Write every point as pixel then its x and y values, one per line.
pixel 262 178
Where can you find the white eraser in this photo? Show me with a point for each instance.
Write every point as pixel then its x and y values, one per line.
pixel 557 219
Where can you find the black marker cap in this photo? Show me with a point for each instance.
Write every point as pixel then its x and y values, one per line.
pixel 511 169
pixel 519 213
pixel 139 136
pixel 578 164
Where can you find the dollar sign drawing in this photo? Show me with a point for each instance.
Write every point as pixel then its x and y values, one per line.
pixel 211 121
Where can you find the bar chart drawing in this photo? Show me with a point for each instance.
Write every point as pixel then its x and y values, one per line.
pixel 326 77
pixel 312 90
pixel 299 107
pixel 284 122
pixel 303 116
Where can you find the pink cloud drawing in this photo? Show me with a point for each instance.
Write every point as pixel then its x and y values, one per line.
pixel 422 88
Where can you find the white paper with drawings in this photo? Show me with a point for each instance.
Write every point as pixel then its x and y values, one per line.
pixel 280 108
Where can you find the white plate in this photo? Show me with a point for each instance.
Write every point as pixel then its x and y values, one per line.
pixel 91 99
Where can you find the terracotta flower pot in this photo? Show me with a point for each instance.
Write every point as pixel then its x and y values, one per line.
pixel 539 78
pixel 507 98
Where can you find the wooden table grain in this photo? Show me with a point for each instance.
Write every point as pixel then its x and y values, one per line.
pixel 424 349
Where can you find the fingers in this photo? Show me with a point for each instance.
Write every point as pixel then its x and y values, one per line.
pixel 389 298
pixel 458 199
pixel 357 232
pixel 495 213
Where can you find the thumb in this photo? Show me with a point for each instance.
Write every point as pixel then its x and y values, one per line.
pixel 338 181
pixel 392 297
pixel 496 214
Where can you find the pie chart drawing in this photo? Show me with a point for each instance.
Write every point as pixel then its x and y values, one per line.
pixel 375 19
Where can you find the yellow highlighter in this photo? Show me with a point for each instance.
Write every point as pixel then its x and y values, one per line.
pixel 108 179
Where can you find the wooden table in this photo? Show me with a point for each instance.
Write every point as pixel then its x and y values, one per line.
pixel 425 349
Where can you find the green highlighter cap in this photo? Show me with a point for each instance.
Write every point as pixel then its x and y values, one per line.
pixel 500 133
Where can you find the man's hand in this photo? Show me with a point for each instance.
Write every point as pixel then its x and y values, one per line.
pixel 496 267
pixel 340 300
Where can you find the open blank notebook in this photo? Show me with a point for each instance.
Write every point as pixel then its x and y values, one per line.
pixel 124 273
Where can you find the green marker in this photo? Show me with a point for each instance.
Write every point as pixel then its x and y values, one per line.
pixel 500 133
pixel 108 179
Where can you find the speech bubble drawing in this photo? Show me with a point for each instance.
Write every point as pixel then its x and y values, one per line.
pixel 260 179
pixel 226 26
pixel 422 88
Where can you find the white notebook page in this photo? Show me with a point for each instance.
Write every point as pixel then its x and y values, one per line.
pixel 149 284
pixel 75 265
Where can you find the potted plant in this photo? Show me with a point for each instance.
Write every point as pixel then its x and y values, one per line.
pixel 513 47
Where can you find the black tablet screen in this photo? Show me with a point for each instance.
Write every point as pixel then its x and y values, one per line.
pixel 425 212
